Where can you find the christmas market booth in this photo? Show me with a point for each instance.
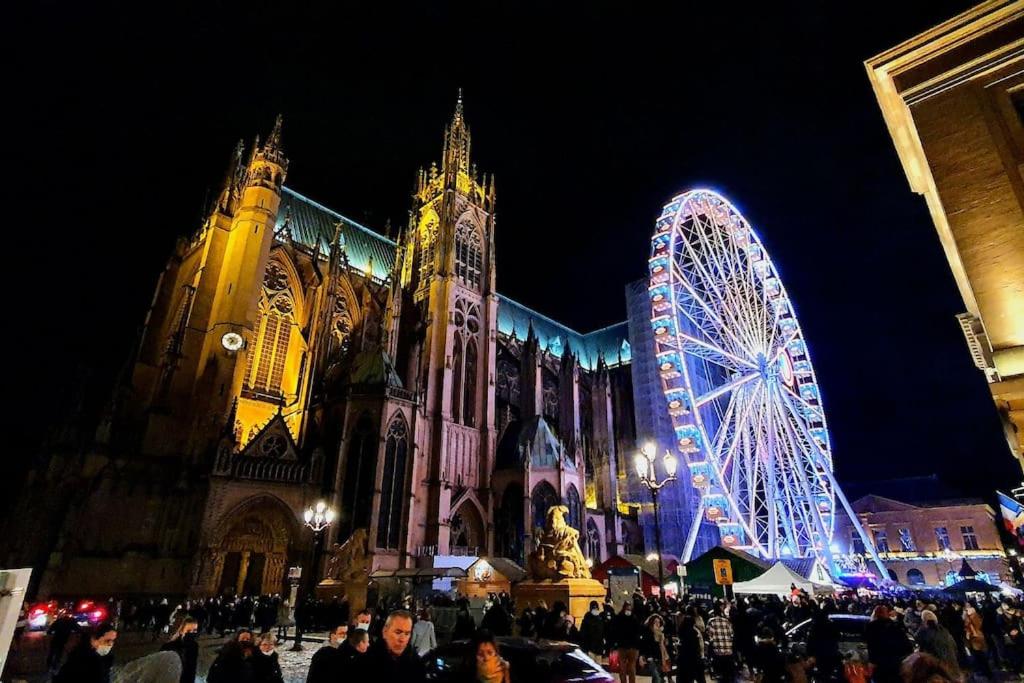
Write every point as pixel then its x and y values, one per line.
pixel 489 575
pixel 623 574
pixel 699 574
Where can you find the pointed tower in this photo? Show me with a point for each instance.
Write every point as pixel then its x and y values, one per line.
pixel 200 335
pixel 450 273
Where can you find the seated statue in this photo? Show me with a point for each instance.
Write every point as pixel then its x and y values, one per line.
pixel 348 560
pixel 558 555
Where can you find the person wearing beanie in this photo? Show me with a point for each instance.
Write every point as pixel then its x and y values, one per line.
pixel 934 639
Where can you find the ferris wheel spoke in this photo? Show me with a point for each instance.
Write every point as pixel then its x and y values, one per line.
pixel 710 275
pixel 703 348
pixel 724 389
pixel 811 492
pixel 777 349
pixel 717 272
pixel 745 289
pixel 741 424
pixel 817 457
pixel 816 409
pixel 712 314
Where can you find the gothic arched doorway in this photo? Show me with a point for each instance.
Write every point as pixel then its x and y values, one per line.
pixel 251 549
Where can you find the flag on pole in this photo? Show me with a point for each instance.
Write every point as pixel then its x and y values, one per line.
pixel 1013 516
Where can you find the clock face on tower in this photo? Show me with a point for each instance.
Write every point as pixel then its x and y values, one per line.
pixel 232 341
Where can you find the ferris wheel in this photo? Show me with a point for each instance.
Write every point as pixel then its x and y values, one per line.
pixel 739 385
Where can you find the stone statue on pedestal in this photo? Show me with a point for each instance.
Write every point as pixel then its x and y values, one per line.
pixel 346 576
pixel 558 555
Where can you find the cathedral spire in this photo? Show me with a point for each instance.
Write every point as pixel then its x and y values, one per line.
pixel 273 143
pixel 457 119
pixel 272 150
pixel 455 156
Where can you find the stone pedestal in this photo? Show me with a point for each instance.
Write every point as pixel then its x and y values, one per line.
pixel 575 593
pixel 352 591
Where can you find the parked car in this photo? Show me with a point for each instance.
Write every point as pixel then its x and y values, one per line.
pixel 41 614
pixel 852 630
pixel 531 661
pixel 88 613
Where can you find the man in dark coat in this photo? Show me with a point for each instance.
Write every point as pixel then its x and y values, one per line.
pixel 91 661
pixel 887 644
pixel 60 631
pixel 592 631
pixel 391 658
pixel 326 664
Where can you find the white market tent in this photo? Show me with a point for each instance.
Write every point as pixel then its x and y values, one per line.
pixel 777 581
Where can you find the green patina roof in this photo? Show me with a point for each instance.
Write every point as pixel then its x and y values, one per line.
pixel 373 367
pixel 612 341
pixel 312 224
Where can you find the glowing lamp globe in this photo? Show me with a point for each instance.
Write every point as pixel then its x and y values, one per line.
pixel 640 462
pixel 671 464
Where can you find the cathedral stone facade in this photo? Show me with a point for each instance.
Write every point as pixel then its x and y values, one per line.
pixel 291 355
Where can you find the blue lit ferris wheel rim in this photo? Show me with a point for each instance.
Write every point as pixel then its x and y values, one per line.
pixel 738 379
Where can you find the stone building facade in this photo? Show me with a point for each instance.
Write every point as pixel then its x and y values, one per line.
pixel 926 543
pixel 953 99
pixel 291 355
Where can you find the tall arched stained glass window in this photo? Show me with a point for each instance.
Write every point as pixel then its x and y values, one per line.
pixel 469 392
pixel 360 471
pixel 389 521
pixel 572 501
pixel 468 255
pixel 265 360
pixel 457 377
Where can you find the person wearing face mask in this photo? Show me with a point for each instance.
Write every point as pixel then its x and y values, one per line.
pixel 592 632
pixel 185 642
pixel 326 664
pixel 364 620
pixel 265 667
pixel 234 661
pixel 91 661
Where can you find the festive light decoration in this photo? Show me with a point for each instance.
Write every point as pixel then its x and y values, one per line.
pixel 739 385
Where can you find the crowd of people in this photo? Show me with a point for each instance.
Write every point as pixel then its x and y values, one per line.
pixel 667 639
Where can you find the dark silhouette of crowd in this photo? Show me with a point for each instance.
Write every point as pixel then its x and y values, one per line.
pixel 924 639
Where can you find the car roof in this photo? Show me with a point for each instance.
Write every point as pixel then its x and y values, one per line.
pixel 519 643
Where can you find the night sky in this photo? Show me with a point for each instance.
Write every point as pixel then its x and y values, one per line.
pixel 590 116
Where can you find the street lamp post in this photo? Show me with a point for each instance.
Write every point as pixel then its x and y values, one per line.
pixel 318 518
pixel 644 462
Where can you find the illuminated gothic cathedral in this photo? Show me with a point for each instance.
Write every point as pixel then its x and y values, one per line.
pixel 292 355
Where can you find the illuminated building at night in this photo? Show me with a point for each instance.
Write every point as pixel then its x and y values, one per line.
pixel 926 542
pixel 292 355
pixel 953 99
